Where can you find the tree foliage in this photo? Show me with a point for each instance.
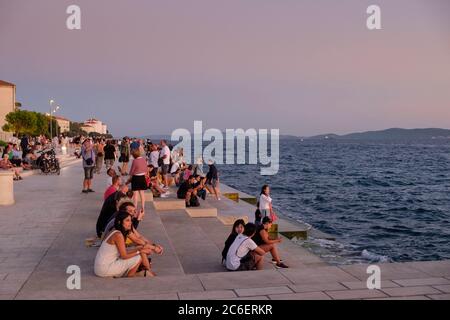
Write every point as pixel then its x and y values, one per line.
pixel 28 122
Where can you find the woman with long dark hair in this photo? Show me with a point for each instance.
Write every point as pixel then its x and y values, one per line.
pixel 265 203
pixel 113 259
pixel 238 228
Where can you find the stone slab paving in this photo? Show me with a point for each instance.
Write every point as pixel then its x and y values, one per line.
pixel 44 233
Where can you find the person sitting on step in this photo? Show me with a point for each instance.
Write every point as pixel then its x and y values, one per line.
pixel 261 238
pixel 188 192
pixel 114 260
pixel 244 254
pixel 238 228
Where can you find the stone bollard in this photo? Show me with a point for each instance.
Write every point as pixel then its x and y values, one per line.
pixel 7 188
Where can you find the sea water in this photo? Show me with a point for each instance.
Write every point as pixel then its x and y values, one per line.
pixel 381 200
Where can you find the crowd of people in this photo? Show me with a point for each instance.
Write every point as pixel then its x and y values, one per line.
pixel 154 167
pixel 123 251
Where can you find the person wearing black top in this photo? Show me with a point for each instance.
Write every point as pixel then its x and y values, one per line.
pixel 109 208
pixel 212 180
pixel 188 192
pixel 261 238
pixel 110 154
pixel 238 228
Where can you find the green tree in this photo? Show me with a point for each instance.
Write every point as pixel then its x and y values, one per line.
pixel 20 122
pixel 75 129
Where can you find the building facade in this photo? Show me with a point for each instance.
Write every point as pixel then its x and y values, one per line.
pixel 7 105
pixel 63 124
pixel 88 129
pixel 98 126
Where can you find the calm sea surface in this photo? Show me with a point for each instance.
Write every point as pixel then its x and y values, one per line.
pixel 383 201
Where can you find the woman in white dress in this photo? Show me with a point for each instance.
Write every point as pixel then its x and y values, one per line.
pixel 113 259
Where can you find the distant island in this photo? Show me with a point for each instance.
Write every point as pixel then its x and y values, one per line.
pixel 389 134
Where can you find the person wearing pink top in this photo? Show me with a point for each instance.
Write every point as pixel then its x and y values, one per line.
pixel 137 179
pixel 112 188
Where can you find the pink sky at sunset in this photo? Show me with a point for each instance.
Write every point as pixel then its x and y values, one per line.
pixel 306 67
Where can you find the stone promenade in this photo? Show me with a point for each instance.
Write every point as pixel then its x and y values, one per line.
pixel 44 233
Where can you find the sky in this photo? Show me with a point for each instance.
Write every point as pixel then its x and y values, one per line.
pixel 305 67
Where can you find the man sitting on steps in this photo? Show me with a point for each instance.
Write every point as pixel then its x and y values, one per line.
pixel 188 192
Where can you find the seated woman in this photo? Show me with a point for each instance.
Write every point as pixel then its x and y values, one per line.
pixel 113 259
pixel 238 228
pixel 244 254
pixel 261 238
pixel 134 237
pixel 152 181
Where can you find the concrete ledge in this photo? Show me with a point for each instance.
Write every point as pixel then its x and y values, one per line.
pixel 228 220
pixel 7 187
pixel 232 196
pixel 165 204
pixel 204 211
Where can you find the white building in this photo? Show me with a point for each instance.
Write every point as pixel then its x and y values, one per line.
pixel 7 105
pixel 98 126
pixel 88 129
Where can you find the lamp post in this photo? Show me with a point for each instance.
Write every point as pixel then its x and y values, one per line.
pixel 51 122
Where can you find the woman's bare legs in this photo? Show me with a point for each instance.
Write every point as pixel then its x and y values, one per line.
pixel 133 270
pixel 273 251
pixel 142 196
pixel 259 261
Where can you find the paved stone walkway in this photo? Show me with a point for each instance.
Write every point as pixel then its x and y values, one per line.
pixel 44 233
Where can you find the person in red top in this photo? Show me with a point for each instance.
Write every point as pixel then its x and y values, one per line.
pixel 112 188
pixel 137 179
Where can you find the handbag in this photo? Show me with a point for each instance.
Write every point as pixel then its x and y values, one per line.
pixel 273 217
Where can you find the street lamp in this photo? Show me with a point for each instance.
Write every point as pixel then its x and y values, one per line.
pixel 51 122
